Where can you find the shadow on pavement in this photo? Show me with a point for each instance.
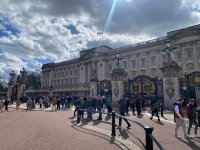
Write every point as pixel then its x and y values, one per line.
pixel 96 122
pixel 93 133
pixel 190 143
pixel 123 134
pixel 164 118
pixel 158 122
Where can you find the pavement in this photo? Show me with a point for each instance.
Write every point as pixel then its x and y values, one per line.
pixel 43 129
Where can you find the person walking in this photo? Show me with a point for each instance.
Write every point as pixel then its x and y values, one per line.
pixel 1 104
pixel 109 105
pixel 155 110
pixel 17 103
pixel 77 104
pixel 53 103
pixel 58 103
pixel 28 104
pixel 82 106
pixel 178 115
pixel 41 102
pixel 6 103
pixel 62 102
pixel 122 111
pixel 191 116
pixel 133 107
pixel 89 108
pixel 99 106
pixel 138 107
pixel 127 105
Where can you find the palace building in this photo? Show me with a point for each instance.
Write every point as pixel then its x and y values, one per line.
pixel 141 59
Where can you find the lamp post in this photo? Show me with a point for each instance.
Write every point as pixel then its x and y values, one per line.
pixel 118 60
pixel 168 50
pixel 12 75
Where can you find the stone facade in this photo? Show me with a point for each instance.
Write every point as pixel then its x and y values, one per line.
pixel 145 58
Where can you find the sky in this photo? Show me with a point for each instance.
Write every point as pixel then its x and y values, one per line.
pixel 36 32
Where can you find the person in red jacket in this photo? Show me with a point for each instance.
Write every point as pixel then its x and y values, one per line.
pixel 191 116
pixel 178 114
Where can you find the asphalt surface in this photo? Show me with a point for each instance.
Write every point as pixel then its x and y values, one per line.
pixel 40 130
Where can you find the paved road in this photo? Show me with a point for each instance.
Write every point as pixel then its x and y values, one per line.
pixel 40 130
pixel 163 132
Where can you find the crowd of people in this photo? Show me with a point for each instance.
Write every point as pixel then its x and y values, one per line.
pixel 101 103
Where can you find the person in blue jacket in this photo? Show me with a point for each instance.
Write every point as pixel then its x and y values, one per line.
pixel 123 110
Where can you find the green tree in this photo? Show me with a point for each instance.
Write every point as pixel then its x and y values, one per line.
pixel 3 85
pixel 33 81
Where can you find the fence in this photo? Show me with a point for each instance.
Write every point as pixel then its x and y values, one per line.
pixel 148 130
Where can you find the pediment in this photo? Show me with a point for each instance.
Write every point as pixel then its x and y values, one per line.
pixel 182 33
pixel 98 51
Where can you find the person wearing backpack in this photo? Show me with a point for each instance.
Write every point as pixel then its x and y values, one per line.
pixel 122 111
pixel 191 116
pixel 178 115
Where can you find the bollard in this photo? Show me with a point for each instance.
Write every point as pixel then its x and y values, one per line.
pixel 113 124
pixel 198 110
pixel 149 141
pixel 78 115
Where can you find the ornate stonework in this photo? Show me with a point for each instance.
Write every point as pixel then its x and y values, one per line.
pixel 170 90
pixel 116 89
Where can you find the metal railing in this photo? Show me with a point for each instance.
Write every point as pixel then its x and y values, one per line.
pixel 148 130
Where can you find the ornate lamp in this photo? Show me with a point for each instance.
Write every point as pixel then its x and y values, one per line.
pixel 168 50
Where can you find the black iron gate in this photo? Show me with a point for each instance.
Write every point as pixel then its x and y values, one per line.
pixel 104 87
pixel 190 87
pixel 144 88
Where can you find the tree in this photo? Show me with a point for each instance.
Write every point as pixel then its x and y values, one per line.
pixel 33 81
pixel 3 85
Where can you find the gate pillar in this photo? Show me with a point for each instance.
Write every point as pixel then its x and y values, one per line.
pixel 171 74
pixel 93 89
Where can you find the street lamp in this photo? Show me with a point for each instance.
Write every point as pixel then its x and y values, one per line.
pixel 118 60
pixel 12 75
pixel 168 50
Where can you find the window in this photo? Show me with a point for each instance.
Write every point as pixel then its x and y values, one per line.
pixel 134 63
pixel 110 67
pixel 58 82
pixel 70 81
pixel 75 72
pixel 66 73
pixel 198 52
pixel 125 64
pixel 142 62
pixel 75 81
pixel 66 82
pixel 134 74
pixel 71 72
pixel 62 82
pixel 62 74
pixel 153 60
pixel 55 75
pixel 179 55
pixel 189 53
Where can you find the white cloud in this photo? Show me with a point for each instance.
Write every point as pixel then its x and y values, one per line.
pixel 43 33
